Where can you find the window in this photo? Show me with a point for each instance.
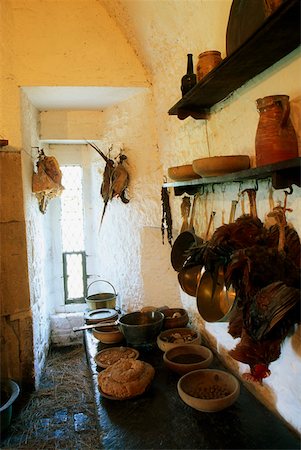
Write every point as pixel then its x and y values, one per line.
pixel 72 230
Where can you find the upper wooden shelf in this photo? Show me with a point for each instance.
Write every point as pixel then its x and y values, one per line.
pixel 277 37
pixel 283 174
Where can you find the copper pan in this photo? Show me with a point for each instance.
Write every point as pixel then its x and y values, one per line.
pixel 184 242
pixel 189 276
pixel 214 301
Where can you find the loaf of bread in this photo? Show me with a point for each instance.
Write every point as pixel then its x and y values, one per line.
pixel 126 378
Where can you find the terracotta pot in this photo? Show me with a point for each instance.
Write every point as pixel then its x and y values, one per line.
pixel 207 61
pixel 276 139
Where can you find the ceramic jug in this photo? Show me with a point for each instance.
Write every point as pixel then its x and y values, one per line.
pixel 207 61
pixel 276 139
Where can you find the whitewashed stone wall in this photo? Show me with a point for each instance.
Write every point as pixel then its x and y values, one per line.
pixel 38 233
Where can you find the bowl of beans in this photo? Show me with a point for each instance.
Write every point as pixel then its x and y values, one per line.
pixel 208 390
pixel 186 358
pixel 177 336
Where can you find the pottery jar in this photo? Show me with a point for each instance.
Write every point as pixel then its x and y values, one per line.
pixel 206 62
pixel 275 139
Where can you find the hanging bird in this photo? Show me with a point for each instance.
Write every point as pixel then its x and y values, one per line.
pixel 119 180
pixel 267 283
pixel 106 181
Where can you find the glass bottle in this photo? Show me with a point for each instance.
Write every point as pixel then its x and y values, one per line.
pixel 188 80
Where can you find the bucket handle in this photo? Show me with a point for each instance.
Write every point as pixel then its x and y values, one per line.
pixel 97 281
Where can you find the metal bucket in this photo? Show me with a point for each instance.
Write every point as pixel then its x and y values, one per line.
pixel 102 299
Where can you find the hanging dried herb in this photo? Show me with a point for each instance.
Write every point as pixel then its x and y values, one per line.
pixel 166 223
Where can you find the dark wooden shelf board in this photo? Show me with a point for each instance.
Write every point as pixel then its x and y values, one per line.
pixel 3 142
pixel 284 174
pixel 278 36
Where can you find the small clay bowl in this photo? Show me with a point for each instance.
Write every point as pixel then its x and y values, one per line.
pixel 108 335
pixel 208 390
pixel 186 358
pixel 174 337
pixel 175 318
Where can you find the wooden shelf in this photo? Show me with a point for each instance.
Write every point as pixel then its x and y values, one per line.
pixel 283 174
pixel 277 37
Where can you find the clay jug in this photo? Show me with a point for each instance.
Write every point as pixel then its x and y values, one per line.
pixel 276 139
pixel 207 61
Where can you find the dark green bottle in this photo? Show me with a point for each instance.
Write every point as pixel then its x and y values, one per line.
pixel 188 80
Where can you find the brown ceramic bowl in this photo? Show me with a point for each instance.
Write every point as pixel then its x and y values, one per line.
pixel 108 335
pixel 220 165
pixel 208 390
pixel 174 337
pixel 174 318
pixel 186 358
pixel 182 173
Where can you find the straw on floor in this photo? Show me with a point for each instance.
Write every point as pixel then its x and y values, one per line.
pixel 62 413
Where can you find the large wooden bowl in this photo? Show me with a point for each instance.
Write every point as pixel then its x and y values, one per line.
pixel 208 390
pixel 220 165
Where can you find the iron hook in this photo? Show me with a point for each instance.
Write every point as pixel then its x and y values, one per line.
pixel 290 191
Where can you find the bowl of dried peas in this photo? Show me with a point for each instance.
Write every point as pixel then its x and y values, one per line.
pixel 208 390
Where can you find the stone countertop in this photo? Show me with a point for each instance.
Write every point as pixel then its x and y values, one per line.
pixel 159 419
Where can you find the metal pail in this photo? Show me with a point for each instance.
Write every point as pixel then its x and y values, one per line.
pixel 101 299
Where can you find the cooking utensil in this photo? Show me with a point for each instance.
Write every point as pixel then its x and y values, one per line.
pixel 100 315
pixel 189 276
pixel 184 242
pixel 141 328
pixel 95 325
pixel 185 211
pixel 103 299
pixel 214 301
pixel 138 328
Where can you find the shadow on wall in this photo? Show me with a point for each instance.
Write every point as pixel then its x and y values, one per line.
pixel 160 283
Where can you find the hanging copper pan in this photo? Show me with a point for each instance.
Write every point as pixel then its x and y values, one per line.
pixel 214 301
pixel 189 276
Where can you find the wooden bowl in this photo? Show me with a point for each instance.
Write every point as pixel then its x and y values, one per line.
pixel 186 358
pixel 175 318
pixel 220 165
pixel 109 356
pixel 182 173
pixel 208 390
pixel 108 335
pixel 177 336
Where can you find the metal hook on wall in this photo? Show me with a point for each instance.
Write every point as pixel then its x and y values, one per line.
pixel 202 190
pixel 290 191
pixel 286 193
pixel 256 185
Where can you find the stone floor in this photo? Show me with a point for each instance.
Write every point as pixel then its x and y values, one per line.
pixel 61 414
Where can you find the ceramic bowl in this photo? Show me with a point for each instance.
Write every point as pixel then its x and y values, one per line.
pixel 108 335
pixel 186 358
pixel 174 318
pixel 220 165
pixel 174 337
pixel 182 173
pixel 109 356
pixel 208 390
